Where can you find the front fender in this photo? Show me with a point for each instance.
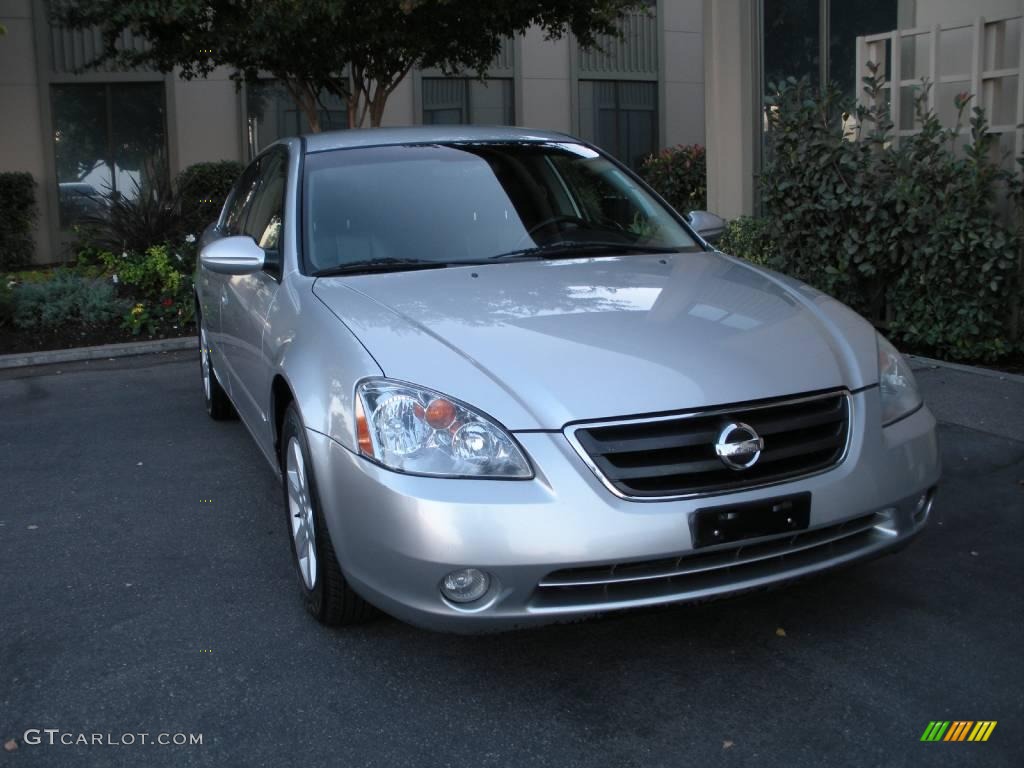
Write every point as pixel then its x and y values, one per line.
pixel 318 357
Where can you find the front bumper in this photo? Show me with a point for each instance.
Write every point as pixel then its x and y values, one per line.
pixel 559 546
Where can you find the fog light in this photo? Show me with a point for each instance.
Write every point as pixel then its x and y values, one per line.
pixel 465 586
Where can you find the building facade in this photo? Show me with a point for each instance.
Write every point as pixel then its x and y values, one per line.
pixel 684 72
pixel 85 133
pixel 748 44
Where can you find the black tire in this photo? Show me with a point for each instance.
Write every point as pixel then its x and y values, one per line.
pixel 218 404
pixel 330 599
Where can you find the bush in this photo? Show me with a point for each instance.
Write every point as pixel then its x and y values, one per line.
pixel 907 235
pixel 159 283
pixel 6 305
pixel 680 175
pixel 66 298
pixel 748 237
pixel 202 189
pixel 153 273
pixel 135 223
pixel 18 214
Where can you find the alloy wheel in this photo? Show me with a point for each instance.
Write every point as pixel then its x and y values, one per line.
pixel 300 513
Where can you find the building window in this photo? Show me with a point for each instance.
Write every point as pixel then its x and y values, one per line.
pixel 272 114
pixel 621 117
pixel 460 100
pixel 110 140
pixel 794 30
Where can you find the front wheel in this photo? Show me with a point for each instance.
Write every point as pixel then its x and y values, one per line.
pixel 218 404
pixel 325 592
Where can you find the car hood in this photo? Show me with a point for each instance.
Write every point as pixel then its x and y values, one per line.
pixel 539 344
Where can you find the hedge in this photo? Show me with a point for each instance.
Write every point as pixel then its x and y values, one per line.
pixel 912 236
pixel 680 175
pixel 18 215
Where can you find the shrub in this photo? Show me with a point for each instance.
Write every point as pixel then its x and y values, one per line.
pixel 135 223
pixel 6 304
pixel 748 237
pixel 679 174
pixel 202 189
pixel 66 298
pixel 18 214
pixel 158 282
pixel 154 273
pixel 907 235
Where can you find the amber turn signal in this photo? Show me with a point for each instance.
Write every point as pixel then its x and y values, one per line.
pixel 363 429
pixel 440 413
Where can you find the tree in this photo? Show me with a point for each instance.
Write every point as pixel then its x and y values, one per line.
pixel 358 50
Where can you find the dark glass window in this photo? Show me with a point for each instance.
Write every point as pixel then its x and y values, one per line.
pixel 265 212
pixel 109 140
pixel 621 117
pixel 848 21
pixel 273 114
pixel 459 100
pixel 239 199
pixel 473 201
pixel 793 34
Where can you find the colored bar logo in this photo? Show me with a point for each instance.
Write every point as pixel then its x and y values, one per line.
pixel 959 730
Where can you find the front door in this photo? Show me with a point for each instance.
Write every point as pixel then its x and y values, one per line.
pixel 247 299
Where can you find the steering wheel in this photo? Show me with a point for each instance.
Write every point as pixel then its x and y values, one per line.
pixel 554 220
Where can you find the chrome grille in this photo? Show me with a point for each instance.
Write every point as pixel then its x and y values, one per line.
pixel 674 456
pixel 705 574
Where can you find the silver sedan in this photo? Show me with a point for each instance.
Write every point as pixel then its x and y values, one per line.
pixel 505 384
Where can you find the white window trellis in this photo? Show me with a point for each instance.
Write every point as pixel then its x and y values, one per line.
pixel 983 58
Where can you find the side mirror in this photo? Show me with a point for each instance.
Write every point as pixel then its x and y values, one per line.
pixel 235 255
pixel 708 225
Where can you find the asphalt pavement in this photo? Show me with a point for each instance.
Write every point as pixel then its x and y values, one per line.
pixel 146 588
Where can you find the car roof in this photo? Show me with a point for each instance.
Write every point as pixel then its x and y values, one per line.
pixel 424 134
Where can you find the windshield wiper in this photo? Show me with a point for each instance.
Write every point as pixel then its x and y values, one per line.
pixel 570 248
pixel 381 265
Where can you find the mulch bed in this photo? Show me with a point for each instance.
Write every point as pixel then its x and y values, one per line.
pixel 18 341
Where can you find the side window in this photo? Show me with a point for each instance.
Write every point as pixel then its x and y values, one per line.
pixel 234 213
pixel 265 215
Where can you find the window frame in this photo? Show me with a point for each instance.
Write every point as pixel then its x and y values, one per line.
pixel 619 112
pixel 302 260
pixel 109 153
pixel 466 107
pixel 274 266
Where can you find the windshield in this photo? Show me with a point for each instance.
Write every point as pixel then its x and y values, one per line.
pixel 469 202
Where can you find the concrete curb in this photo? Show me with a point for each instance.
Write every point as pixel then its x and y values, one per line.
pixel 101 352
pixel 917 362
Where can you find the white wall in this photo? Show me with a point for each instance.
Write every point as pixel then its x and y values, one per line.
pixel 21 132
pixel 682 97
pixel 204 120
pixel 544 82
pixel 945 12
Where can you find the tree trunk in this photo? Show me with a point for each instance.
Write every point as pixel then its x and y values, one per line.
pixel 305 99
pixel 380 100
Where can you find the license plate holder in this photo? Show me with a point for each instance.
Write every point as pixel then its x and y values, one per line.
pixel 750 520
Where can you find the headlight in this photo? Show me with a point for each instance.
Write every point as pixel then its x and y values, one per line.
pixel 416 430
pixel 896 383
